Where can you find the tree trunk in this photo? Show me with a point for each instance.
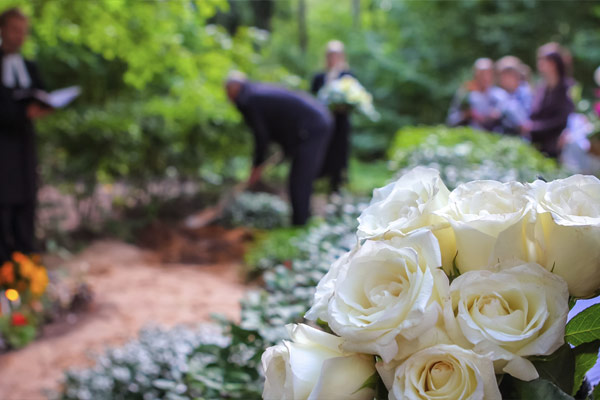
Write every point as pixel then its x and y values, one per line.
pixel 356 14
pixel 302 31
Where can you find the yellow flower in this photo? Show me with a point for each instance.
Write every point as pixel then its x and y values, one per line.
pixel 39 281
pixel 27 268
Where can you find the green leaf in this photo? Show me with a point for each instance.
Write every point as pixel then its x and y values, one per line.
pixel 369 383
pixel 557 368
pixel 584 327
pixel 586 356
pixel 596 392
pixel 541 389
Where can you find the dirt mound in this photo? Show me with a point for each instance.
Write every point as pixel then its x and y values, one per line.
pixel 206 245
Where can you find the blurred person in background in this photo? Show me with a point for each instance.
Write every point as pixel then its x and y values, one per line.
pixel 18 160
pixel 297 122
pixel 516 104
pixel 579 142
pixel 551 106
pixel 338 153
pixel 477 103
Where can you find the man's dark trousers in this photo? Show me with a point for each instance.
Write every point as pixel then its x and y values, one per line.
pixel 307 160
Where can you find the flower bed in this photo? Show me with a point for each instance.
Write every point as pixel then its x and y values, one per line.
pixel 30 296
pixel 23 282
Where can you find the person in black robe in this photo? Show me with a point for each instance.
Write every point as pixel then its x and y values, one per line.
pixel 18 161
pixel 551 105
pixel 338 152
pixel 297 122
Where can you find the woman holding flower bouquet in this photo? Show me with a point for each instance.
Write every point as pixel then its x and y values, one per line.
pixel 338 152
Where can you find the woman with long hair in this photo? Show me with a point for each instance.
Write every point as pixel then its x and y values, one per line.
pixel 551 106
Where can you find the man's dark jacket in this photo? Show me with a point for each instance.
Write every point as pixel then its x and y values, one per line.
pixel 18 161
pixel 279 115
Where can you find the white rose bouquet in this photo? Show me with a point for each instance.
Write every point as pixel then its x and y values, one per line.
pixel 347 92
pixel 455 295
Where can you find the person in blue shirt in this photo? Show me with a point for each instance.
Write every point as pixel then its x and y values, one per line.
pixel 516 105
pixel 295 121
pixel 477 103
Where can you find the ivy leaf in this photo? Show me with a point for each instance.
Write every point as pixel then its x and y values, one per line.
pixel 586 356
pixel 584 327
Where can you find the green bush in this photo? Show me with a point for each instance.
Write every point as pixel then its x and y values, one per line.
pixel 465 154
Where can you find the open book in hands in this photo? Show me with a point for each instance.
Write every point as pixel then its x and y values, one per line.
pixel 56 99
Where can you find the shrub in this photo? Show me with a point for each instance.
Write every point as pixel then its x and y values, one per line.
pixel 465 154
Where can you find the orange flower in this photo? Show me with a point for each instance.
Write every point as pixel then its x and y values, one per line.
pixel 7 273
pixel 19 257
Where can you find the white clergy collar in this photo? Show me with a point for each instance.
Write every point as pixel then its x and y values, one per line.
pixel 14 72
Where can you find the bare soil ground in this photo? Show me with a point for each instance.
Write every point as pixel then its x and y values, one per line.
pixel 132 288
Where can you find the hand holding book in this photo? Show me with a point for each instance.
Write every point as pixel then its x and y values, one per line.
pixel 57 99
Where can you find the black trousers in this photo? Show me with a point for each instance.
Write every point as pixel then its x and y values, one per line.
pixel 17 231
pixel 307 161
pixel 338 152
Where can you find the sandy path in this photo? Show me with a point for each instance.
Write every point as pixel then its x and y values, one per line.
pixel 131 290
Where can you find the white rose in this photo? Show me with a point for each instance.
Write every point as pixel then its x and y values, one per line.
pixel 431 337
pixel 492 222
pixel 385 293
pixel 568 231
pixel 311 366
pixel 406 205
pixel 510 314
pixel 326 287
pixel 445 372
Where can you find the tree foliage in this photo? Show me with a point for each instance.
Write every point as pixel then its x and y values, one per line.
pixel 152 71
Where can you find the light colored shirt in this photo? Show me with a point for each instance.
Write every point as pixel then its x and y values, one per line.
pixel 14 72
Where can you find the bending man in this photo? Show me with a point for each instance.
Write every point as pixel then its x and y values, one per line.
pixel 297 122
